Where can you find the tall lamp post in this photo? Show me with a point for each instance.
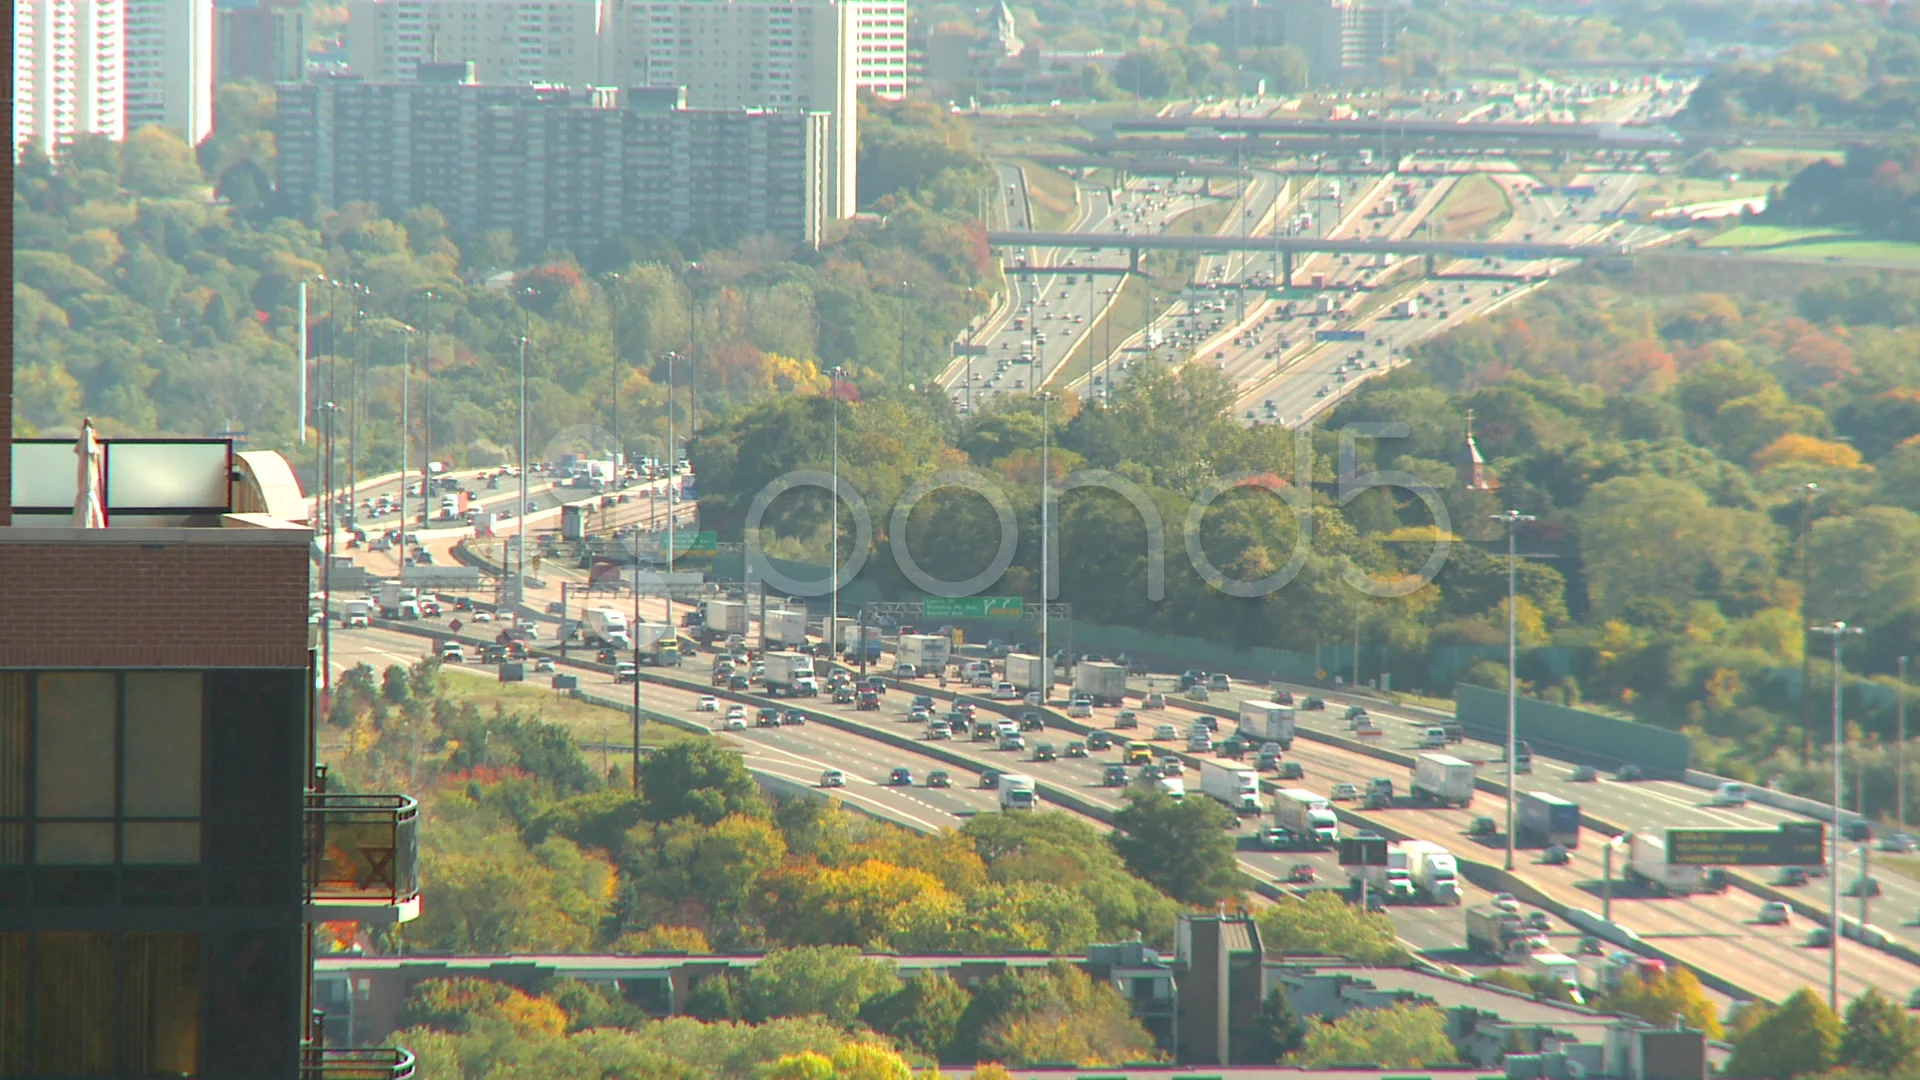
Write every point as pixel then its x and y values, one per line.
pixel 1512 519
pixel 1046 550
pixel 1900 755
pixel 426 424
pixel 833 609
pixel 1807 492
pixel 1839 632
pixel 673 486
pixel 520 561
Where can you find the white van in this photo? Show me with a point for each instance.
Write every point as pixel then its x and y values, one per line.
pixel 1730 794
pixel 1434 738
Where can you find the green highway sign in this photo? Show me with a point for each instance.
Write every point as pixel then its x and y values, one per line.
pixel 703 543
pixel 1799 843
pixel 972 607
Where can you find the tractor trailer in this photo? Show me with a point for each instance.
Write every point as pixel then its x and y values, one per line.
pixel 1545 820
pixel 1309 817
pixel 1435 874
pixel 1105 683
pixel 1442 779
pixel 1237 786
pixel 785 627
pixel 927 653
pixel 1647 867
pixel 1028 672
pixel 1264 722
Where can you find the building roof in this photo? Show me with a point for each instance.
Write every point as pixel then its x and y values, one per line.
pixel 1449 991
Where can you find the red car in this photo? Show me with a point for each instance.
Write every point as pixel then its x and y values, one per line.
pixel 1301 874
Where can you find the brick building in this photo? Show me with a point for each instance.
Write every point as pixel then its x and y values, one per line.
pixel 166 842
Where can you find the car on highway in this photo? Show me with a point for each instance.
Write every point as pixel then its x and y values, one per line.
pixel 1483 826
pixel 793 718
pixel 1506 901
pixel 1292 770
pixel 1301 874
pixel 1126 718
pixel 1164 733
pixel 833 778
pixel 768 717
pixel 707 703
pixel 1583 774
pixel 1076 749
pixel 905 671
pixel 1863 886
pixel 990 779
pixel 939 730
pixel 1313 704
pixel 1031 720
pixel 1629 774
pixel 1899 843
pixel 1773 913
pixel 1080 708
pixel 1171 765
pixel 1555 856
pixel 1791 875
pixel 1154 700
pixel 1098 741
pixel 901 776
pixel 1013 740
pixel 739 683
pixel 625 672
pixel 1538 920
pixel 1344 792
pixel 1044 752
pixel 1820 938
pixel 939 778
pixel 1114 776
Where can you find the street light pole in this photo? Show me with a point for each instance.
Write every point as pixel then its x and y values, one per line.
pixel 406 434
pixel 1046 522
pixel 1807 492
pixel 1900 755
pixel 426 424
pixel 1838 631
pixel 673 483
pixel 1512 519
pixel 520 561
pixel 832 636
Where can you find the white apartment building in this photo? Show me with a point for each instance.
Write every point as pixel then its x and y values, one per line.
pixel 67 72
pixel 169 66
pixel 753 54
pixel 880 47
pixel 509 41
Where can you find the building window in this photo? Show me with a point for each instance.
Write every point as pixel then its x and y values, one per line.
pixel 100 767
pixel 58 1010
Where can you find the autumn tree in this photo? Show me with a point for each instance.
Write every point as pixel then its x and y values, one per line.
pixel 835 982
pixel 1801 1036
pixel 1879 1036
pixel 1659 998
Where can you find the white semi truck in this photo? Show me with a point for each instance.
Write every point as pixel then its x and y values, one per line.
pixel 927 653
pixel 1237 786
pixel 1016 791
pixel 1263 722
pixel 1442 779
pixel 606 627
pixel 1435 873
pixel 1309 817
pixel 1105 683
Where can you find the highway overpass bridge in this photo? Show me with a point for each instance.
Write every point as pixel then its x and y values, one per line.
pixel 1370 132
pixel 1289 246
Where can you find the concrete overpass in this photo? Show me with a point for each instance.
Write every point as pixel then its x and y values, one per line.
pixel 1289 246
pixel 1370 132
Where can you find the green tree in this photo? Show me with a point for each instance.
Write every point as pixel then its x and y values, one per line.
pixel 1277 1032
pixel 1053 1014
pixel 923 1014
pixel 716 997
pixel 699 779
pixel 1323 924
pixel 1180 845
pixel 395 685
pixel 1395 1037
pixel 593 1005
pixel 1879 1036
pixel 831 981
pixel 1801 1036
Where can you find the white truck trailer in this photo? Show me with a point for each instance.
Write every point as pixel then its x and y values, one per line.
pixel 1105 683
pixel 1016 791
pixel 790 674
pixel 927 653
pixel 785 627
pixel 1442 779
pixel 606 627
pixel 1237 786
pixel 721 619
pixel 1435 873
pixel 1308 816
pixel 1262 722
pixel 1027 672
pixel 1647 867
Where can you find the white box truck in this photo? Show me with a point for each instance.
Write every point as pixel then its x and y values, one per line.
pixel 1393 883
pixel 1435 874
pixel 1647 867
pixel 1309 817
pixel 1262 722
pixel 1493 932
pixel 784 627
pixel 358 612
pixel 606 627
pixel 1442 779
pixel 928 653
pixel 721 619
pixel 394 596
pixel 1237 786
pixel 790 674
pixel 1558 966
pixel 1027 672
pixel 1016 791
pixel 1105 683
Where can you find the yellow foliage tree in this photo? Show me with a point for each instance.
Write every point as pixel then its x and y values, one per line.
pixel 686 939
pixel 1794 448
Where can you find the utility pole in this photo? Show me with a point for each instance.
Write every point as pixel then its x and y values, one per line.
pixel 520 557
pixel 673 486
pixel 406 437
pixel 1838 631
pixel 1046 498
pixel 1807 492
pixel 1512 519
pixel 426 424
pixel 833 509
pixel 1900 755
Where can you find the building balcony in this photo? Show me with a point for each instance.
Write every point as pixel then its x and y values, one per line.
pixel 374 1063
pixel 363 858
